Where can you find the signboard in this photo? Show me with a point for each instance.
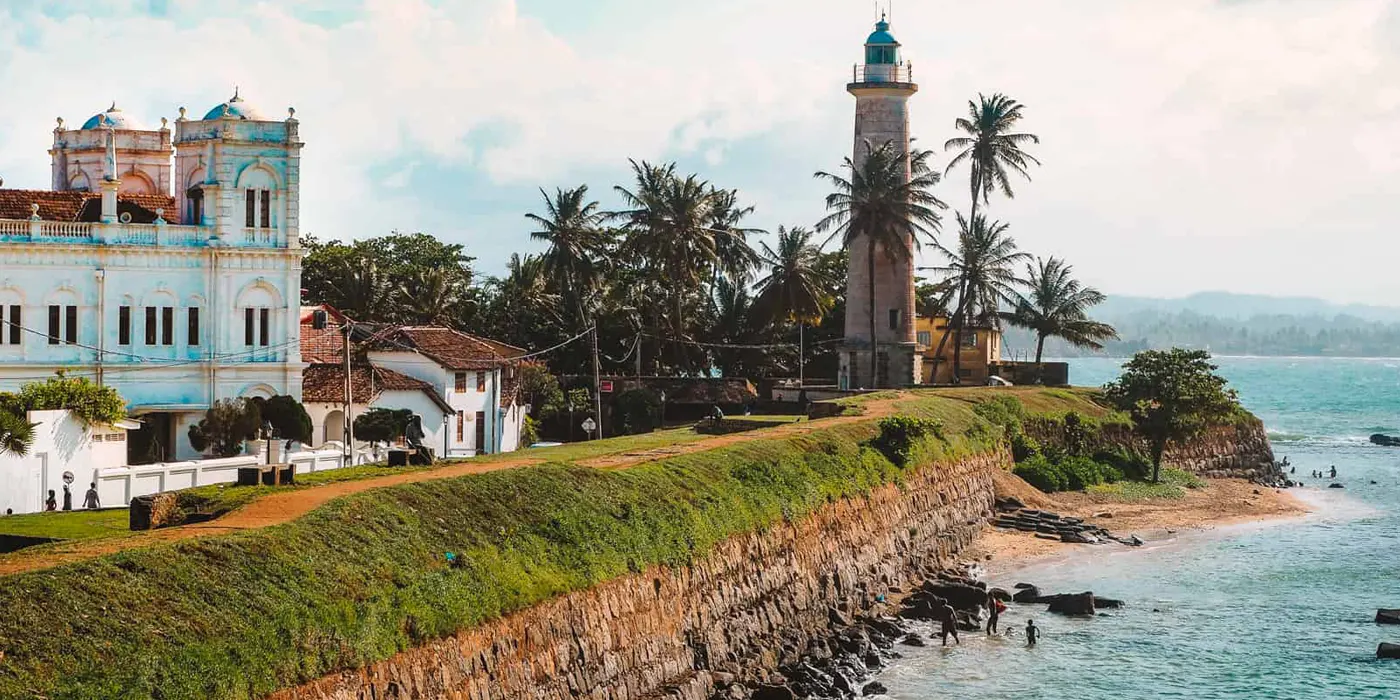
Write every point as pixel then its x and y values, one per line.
pixel 589 425
pixel 605 386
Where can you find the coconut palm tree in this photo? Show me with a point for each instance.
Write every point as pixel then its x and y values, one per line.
pixel 430 295
pixel 362 288
pixel 795 289
pixel 577 258
pixel 670 231
pixel 16 434
pixel 983 265
pixel 993 152
pixel 884 207
pixel 1057 306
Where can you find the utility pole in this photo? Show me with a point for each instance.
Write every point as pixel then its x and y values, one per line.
pixel 349 401
pixel 801 355
pixel 638 348
pixel 597 382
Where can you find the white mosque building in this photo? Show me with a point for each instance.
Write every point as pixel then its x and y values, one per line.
pixel 165 264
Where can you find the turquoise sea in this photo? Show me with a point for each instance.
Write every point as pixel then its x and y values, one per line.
pixel 1278 610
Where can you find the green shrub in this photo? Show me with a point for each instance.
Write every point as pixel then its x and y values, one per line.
pixel 529 432
pixel 1042 474
pixel 1023 446
pixel 1081 473
pixel 1131 464
pixel 92 403
pixel 899 435
pixel 1076 434
pixel 1005 411
pixel 638 411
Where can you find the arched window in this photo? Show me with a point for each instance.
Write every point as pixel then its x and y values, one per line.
pixel 195 198
pixel 11 318
pixel 257 302
pixel 259 185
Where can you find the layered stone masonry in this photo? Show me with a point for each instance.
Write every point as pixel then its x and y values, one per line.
pixel 1226 452
pixel 743 609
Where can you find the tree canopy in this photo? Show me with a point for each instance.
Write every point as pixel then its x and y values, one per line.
pixel 1172 396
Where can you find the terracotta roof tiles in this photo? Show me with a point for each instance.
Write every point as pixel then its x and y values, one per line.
pixel 83 206
pixel 325 383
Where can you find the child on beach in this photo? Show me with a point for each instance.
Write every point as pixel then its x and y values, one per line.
pixel 1032 633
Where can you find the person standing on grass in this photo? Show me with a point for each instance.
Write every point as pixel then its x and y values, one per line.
pixel 950 623
pixel 995 607
pixel 51 504
pixel 1032 633
pixel 90 501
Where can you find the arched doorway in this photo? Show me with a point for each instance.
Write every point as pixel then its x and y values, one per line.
pixel 334 428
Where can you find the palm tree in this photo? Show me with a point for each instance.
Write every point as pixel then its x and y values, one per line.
pixel 670 230
pixel 1057 307
pixel 993 152
pixel 795 289
pixel 885 207
pixel 577 258
pixel 430 295
pixel 362 288
pixel 16 434
pixel 983 265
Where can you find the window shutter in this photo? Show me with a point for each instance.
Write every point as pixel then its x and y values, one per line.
pixel 167 325
pixel 55 314
pixel 250 203
pixel 194 326
pixel 124 325
pixel 71 325
pixel 248 327
pixel 16 337
pixel 150 325
pixel 264 322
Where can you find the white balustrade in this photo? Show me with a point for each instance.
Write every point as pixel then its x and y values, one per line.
pixel 65 230
pixel 14 227
pixel 121 484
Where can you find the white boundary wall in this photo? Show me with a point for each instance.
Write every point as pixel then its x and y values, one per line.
pixel 117 486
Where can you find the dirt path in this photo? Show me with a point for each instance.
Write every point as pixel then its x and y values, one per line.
pixel 286 506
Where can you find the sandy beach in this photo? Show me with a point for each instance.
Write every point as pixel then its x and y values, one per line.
pixel 1222 502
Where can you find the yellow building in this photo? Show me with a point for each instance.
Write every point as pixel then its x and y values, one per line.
pixel 981 348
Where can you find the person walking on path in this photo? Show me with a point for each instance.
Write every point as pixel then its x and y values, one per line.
pixel 1032 633
pixel 995 607
pixel 90 501
pixel 950 623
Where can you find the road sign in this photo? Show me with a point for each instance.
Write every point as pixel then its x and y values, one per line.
pixel 589 425
pixel 605 386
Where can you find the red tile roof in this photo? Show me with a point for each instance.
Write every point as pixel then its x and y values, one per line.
pixel 325 383
pixel 323 344
pixel 450 348
pixel 84 206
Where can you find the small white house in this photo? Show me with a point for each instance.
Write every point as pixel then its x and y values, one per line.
pixel 462 387
pixel 62 443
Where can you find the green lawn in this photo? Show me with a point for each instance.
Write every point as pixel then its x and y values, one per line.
pixel 71 525
pixel 1174 484
pixel 218 499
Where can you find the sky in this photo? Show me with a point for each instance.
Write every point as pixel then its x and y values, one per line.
pixel 1241 145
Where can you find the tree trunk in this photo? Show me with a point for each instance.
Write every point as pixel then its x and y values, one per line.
pixel 1039 350
pixel 874 346
pixel 943 339
pixel 1158 447
pixel 957 320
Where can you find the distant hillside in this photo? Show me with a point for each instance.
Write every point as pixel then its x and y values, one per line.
pixel 1226 305
pixel 1237 324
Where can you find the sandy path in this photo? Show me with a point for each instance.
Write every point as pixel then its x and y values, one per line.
pixel 285 506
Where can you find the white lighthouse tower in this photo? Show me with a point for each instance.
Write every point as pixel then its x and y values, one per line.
pixel 882 88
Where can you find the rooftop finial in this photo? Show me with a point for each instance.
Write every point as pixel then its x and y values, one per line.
pixel 235 94
pixel 113 108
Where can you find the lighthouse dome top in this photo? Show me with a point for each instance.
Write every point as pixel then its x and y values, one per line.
pixel 881 36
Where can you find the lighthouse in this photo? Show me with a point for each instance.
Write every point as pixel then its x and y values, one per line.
pixel 882 87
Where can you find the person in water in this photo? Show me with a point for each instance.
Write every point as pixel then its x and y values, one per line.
pixel 995 607
pixel 950 623
pixel 1032 633
pixel 1334 472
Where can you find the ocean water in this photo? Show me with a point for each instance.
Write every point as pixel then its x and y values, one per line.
pixel 1276 610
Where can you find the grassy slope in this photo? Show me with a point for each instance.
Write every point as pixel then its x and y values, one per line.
pixel 365 576
pixel 222 498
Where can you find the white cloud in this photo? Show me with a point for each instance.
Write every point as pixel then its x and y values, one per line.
pixel 1189 144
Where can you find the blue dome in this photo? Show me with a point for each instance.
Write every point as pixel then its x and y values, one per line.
pixel 116 118
pixel 882 35
pixel 237 108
